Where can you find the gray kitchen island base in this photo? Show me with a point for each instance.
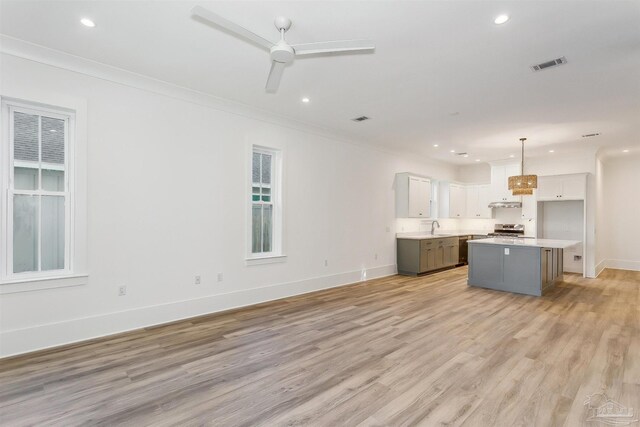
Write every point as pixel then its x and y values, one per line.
pixel 521 269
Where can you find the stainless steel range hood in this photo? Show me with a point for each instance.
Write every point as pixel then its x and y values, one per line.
pixel 505 204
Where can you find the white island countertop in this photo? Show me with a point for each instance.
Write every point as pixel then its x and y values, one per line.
pixel 535 243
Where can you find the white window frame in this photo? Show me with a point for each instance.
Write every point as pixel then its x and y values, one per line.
pixel 276 254
pixel 8 108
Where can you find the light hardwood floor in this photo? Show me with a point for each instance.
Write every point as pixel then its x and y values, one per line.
pixel 388 352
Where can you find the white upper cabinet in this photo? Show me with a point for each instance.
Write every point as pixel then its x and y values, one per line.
pixel 457 201
pixel 478 201
pixel 499 182
pixel 413 196
pixel 562 187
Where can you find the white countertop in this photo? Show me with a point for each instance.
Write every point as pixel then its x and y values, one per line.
pixel 423 235
pixel 536 243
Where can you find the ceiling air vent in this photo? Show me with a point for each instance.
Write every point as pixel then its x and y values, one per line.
pixel 589 135
pixel 361 119
pixel 549 64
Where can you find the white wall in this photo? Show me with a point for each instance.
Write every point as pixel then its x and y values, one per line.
pixel 564 220
pixel 474 174
pixel 166 201
pixel 619 235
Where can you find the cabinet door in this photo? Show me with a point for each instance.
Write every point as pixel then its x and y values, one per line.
pixel 530 206
pixel 439 256
pixel 457 201
pixel 452 254
pixel 472 201
pixel 549 188
pixel 573 188
pixel 419 197
pixel 431 259
pixel 484 196
pixel 425 202
pixel 498 183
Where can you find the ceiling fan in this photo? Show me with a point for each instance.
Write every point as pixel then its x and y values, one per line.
pixel 282 53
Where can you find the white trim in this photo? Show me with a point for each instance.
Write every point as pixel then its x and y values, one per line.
pixel 42 283
pixel 600 267
pixel 59 59
pixel 8 108
pixel 268 259
pixel 623 264
pixel 276 186
pixel 39 337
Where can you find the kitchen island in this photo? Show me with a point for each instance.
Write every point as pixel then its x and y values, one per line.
pixel 521 265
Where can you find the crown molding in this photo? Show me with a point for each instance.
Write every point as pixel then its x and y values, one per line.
pixel 55 58
pixel 63 60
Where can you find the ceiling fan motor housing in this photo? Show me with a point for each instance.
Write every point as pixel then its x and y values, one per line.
pixel 282 52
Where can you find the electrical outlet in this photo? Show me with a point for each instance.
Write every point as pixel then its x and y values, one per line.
pixel 220 277
pixel 326 263
pixel 197 280
pixel 122 291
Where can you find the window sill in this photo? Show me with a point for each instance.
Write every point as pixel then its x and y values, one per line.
pixel 269 259
pixel 39 283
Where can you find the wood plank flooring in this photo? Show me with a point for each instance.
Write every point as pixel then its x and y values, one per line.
pixel 390 352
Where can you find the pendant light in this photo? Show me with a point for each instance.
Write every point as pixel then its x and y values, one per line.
pixel 523 185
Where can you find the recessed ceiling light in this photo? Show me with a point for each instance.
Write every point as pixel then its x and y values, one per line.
pixel 436 145
pixel 305 100
pixel 512 155
pixel 453 151
pixel 87 22
pixel 477 160
pixel 501 19
pixel 552 151
pixel 466 155
pixel 625 151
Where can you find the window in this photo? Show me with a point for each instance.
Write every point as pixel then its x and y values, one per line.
pixel 265 202
pixel 37 227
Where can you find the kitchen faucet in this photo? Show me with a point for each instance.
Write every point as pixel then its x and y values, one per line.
pixel 433 224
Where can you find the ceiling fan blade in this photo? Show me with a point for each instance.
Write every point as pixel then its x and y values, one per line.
pixel 273 81
pixel 333 46
pixel 218 20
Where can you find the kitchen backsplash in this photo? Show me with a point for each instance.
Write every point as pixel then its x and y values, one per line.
pixel 500 216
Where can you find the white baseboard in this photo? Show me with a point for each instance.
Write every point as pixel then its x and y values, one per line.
pixel 40 337
pixel 623 264
pixel 600 267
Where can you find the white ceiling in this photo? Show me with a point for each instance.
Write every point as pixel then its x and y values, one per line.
pixel 442 73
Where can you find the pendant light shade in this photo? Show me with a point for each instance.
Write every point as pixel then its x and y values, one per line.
pixel 523 185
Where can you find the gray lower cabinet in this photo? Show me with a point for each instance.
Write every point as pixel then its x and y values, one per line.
pixel 421 256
